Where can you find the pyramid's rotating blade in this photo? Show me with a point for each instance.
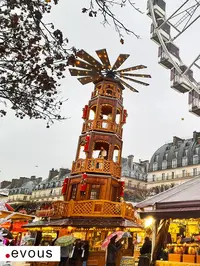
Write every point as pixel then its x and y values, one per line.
pixel 120 60
pixel 88 79
pixel 103 56
pixel 88 58
pixel 135 80
pixel 131 68
pixel 81 64
pixel 80 72
pixel 136 75
pixel 127 85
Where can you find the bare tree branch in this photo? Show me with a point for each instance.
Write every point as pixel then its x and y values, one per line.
pixel 33 59
pixel 105 7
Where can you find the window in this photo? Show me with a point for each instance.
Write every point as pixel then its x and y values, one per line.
pixel 196 151
pixel 73 191
pixel 153 178
pixel 183 173
pixel 172 175
pixel 155 166
pixel 164 164
pixel 156 158
pixel 176 154
pixel 95 192
pixel 194 171
pixel 163 176
pixel 174 163
pixel 167 177
pixel 184 161
pixel 195 159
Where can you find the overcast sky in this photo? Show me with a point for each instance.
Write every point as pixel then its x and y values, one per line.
pixel 154 114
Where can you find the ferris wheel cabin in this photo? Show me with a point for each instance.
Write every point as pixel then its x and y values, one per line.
pixel 179 82
pixel 164 31
pixel 164 59
pixel 194 102
pixel 159 8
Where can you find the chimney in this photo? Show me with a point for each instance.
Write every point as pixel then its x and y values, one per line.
pixel 63 171
pixel 33 177
pixel 130 161
pixel 176 140
pixel 52 173
pixel 196 136
pixel 39 179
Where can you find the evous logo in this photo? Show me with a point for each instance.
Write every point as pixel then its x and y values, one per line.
pixel 30 253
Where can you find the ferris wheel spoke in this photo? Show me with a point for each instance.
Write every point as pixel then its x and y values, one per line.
pixel 193 63
pixel 186 28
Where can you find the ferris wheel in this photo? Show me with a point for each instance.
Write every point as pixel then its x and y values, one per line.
pixel 166 31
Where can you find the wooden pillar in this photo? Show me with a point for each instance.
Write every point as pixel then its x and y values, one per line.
pixel 154 233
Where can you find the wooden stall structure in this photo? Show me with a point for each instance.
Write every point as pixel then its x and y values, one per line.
pixel 176 212
pixel 93 203
pixel 15 222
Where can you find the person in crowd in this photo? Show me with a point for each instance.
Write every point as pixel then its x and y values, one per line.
pixel 64 254
pixel 85 252
pixel 145 252
pixel 75 255
pixel 146 248
pixel 112 250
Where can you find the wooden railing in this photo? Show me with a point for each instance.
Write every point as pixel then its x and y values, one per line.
pixel 45 213
pixel 89 208
pixel 96 166
pixel 104 125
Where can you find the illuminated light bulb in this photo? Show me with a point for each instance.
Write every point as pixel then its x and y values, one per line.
pixel 148 221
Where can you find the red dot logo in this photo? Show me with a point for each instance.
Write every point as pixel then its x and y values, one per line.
pixel 7 256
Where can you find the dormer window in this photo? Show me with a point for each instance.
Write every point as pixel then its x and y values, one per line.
pixel 164 164
pixel 174 163
pixel 156 158
pixel 155 166
pixel 196 152
pixel 184 161
pixel 195 159
pixel 185 152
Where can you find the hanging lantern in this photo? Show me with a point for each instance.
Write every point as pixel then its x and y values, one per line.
pixel 83 184
pixel 87 142
pixel 125 114
pixel 84 176
pixel 85 111
pixel 122 186
pixel 64 187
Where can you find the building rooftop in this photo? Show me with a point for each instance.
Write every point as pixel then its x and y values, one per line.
pixel 178 153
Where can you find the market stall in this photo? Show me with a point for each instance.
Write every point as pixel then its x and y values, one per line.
pixel 14 222
pixel 176 214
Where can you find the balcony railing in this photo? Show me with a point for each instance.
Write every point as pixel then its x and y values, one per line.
pixel 104 125
pixel 89 208
pixel 175 177
pixel 96 166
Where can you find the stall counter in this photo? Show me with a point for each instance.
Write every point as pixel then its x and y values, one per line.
pixel 174 263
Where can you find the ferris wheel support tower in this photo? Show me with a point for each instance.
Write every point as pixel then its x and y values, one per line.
pixel 165 30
